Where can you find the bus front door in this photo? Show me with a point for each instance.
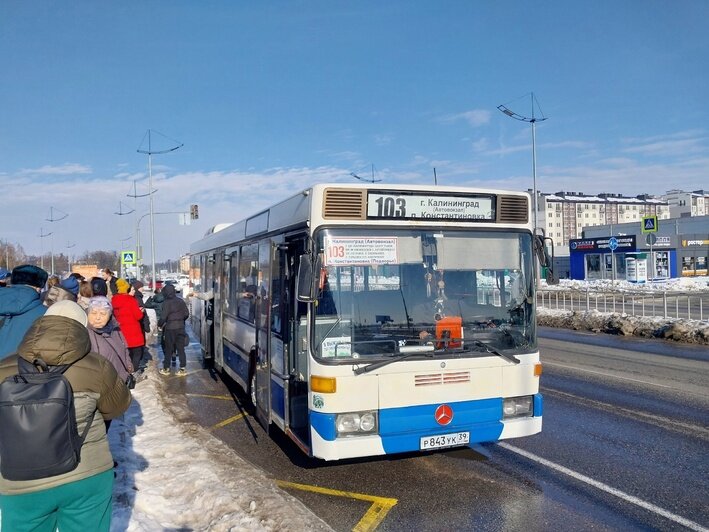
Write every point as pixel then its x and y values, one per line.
pixel 260 385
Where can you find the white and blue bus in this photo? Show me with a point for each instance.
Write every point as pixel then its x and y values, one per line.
pixel 366 319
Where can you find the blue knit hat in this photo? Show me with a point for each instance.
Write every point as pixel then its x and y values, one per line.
pixel 4 274
pixel 70 284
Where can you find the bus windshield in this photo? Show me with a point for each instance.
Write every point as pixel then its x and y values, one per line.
pixel 387 293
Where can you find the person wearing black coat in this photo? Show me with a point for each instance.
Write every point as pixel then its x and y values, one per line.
pixel 172 322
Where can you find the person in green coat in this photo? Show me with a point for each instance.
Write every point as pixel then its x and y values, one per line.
pixel 78 500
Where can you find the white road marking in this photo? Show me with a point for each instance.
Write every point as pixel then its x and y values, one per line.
pixel 659 421
pixel 575 368
pixel 605 487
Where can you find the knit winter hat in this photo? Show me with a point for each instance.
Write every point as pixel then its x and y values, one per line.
pixel 68 309
pixel 138 285
pixel 29 274
pixel 70 284
pixel 99 286
pixel 99 302
pixel 123 286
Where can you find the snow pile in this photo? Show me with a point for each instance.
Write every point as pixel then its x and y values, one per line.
pixel 681 284
pixel 174 475
pixel 681 330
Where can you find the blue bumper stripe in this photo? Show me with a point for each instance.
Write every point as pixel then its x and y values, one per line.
pixel 324 424
pixel 401 429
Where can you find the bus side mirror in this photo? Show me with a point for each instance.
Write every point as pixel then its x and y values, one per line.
pixel 545 260
pixel 306 288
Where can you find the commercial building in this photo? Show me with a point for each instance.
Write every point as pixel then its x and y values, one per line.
pixel 565 215
pixel 679 248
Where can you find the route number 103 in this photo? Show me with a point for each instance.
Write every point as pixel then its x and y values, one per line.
pixel 388 207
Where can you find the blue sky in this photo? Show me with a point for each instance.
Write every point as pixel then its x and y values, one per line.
pixel 270 97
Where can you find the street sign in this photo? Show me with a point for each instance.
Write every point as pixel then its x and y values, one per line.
pixel 651 239
pixel 127 257
pixel 613 243
pixel 649 224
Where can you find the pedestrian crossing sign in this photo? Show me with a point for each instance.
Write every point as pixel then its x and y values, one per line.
pixel 127 257
pixel 649 224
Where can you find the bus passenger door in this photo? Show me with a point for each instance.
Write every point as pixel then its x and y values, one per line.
pixel 296 352
pixel 278 340
pixel 261 383
pixel 206 308
pixel 216 271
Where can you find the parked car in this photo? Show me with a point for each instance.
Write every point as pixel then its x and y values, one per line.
pixel 183 281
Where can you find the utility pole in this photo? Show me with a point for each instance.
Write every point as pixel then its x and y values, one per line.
pixel 150 152
pixel 53 219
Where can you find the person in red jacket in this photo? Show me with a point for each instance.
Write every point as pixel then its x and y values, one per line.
pixel 129 316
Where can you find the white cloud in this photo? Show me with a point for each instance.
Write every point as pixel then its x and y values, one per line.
pixel 670 147
pixel 64 169
pixel 383 139
pixel 474 117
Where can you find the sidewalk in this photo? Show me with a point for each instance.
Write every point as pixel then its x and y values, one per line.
pixel 177 476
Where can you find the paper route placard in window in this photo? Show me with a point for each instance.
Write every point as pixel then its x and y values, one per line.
pixel 360 251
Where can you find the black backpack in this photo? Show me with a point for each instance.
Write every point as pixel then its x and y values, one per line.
pixel 39 434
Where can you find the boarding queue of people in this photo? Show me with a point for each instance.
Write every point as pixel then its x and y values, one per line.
pixel 90 334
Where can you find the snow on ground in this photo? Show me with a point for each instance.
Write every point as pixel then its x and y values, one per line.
pixel 681 284
pixel 681 330
pixel 174 475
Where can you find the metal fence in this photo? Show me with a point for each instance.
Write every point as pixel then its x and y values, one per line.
pixel 661 304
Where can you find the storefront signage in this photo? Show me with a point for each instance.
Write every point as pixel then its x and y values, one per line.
pixel 692 243
pixel 608 244
pixel 662 241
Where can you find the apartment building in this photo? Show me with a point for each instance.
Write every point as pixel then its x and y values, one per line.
pixel 563 215
pixel 683 204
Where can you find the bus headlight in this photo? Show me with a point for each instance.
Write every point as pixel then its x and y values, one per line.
pixel 355 423
pixel 517 407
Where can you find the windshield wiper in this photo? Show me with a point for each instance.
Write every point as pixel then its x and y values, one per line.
pixel 382 363
pixel 486 347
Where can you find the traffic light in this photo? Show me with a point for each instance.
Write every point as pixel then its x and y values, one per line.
pixel 194 212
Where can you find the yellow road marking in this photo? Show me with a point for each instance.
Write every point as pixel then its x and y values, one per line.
pixel 375 514
pixel 227 421
pixel 223 397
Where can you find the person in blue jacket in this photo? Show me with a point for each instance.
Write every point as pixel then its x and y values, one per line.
pixel 20 306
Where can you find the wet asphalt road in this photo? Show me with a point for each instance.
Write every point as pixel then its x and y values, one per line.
pixel 624 447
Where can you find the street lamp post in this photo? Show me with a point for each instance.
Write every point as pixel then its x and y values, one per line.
pixel 69 245
pixel 53 219
pixel 137 233
pixel 42 235
pixel 532 120
pixel 150 153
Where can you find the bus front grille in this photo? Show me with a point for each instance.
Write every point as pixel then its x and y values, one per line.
pixel 343 203
pixel 453 377
pixel 513 209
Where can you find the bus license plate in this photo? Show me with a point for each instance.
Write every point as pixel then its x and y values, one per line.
pixel 445 440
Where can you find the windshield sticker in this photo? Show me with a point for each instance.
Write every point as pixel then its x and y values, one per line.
pixel 361 251
pixel 340 346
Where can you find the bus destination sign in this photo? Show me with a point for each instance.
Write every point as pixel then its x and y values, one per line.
pixel 428 207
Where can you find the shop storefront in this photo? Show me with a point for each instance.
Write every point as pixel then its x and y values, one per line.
pixel 694 255
pixel 600 258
